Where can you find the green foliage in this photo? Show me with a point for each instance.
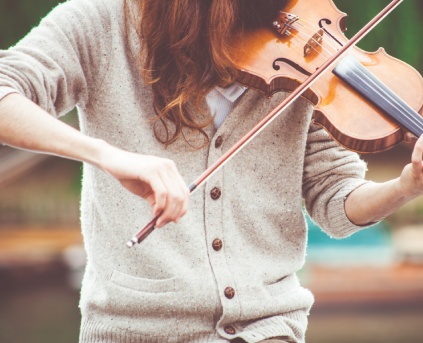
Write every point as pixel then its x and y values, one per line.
pixel 17 17
pixel 399 33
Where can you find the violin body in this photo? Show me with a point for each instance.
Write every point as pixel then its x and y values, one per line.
pixel 280 58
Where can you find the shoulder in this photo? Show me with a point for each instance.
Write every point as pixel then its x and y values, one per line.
pixel 85 24
pixel 83 14
pixel 88 8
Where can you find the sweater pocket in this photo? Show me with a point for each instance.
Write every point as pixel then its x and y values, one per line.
pixel 144 285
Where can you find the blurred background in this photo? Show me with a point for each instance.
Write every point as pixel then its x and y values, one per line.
pixel 368 288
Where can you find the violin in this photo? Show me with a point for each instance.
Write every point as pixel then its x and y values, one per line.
pixel 366 101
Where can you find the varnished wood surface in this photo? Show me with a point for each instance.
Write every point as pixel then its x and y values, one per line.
pixel 352 121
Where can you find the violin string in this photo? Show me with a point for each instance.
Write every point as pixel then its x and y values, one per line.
pixel 313 27
pixel 375 88
pixel 303 40
pixel 315 30
pixel 293 38
pixel 297 42
pixel 398 105
pixel 298 45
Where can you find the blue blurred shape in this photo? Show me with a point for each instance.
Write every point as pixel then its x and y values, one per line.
pixel 370 246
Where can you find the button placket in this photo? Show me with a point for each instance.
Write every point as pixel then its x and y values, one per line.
pixel 215 241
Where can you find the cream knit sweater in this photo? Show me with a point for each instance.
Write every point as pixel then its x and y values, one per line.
pixel 177 286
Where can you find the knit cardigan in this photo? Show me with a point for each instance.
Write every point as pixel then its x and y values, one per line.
pixel 228 268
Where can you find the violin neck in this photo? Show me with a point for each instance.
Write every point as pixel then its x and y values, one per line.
pixel 351 71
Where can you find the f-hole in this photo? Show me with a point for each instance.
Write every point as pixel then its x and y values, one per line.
pixel 290 63
pixel 328 22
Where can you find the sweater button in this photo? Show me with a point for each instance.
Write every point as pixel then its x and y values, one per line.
pixel 215 193
pixel 217 244
pixel 218 142
pixel 230 330
pixel 229 292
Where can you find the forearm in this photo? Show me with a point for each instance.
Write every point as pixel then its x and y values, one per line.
pixel 372 201
pixel 25 125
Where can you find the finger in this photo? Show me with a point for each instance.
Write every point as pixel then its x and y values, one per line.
pixel 186 196
pixel 159 198
pixel 183 210
pixel 409 137
pixel 179 191
pixel 176 199
pixel 172 172
pixel 417 154
pixel 141 189
pixel 184 191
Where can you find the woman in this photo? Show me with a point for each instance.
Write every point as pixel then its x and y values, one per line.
pixel 154 85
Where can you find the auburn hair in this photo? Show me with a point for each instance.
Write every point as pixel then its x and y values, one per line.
pixel 184 53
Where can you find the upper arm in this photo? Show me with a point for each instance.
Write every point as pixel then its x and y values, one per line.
pixel 330 174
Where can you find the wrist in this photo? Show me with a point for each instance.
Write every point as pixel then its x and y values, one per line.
pixel 97 152
pixel 402 192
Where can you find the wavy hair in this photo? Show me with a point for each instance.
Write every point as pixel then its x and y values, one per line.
pixel 185 52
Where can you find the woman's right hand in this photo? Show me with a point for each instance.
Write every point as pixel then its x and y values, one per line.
pixel 155 179
pixel 24 125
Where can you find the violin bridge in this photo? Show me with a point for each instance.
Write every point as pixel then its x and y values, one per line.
pixel 283 25
pixel 313 43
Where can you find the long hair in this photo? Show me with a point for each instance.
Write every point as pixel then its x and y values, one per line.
pixel 185 53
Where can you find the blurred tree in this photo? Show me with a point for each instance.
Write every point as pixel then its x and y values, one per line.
pixel 17 17
pixel 399 33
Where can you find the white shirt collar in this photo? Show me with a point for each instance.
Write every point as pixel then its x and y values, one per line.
pixel 233 92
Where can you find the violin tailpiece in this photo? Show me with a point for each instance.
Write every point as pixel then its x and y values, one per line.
pixel 283 24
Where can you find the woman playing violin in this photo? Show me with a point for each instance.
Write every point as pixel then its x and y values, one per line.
pixel 158 103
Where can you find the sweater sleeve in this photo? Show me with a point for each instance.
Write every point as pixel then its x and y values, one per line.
pixel 60 61
pixel 330 174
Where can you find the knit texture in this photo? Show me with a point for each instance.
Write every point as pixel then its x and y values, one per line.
pixel 171 288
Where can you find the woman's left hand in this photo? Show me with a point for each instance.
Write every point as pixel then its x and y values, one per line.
pixel 411 180
pixel 374 201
